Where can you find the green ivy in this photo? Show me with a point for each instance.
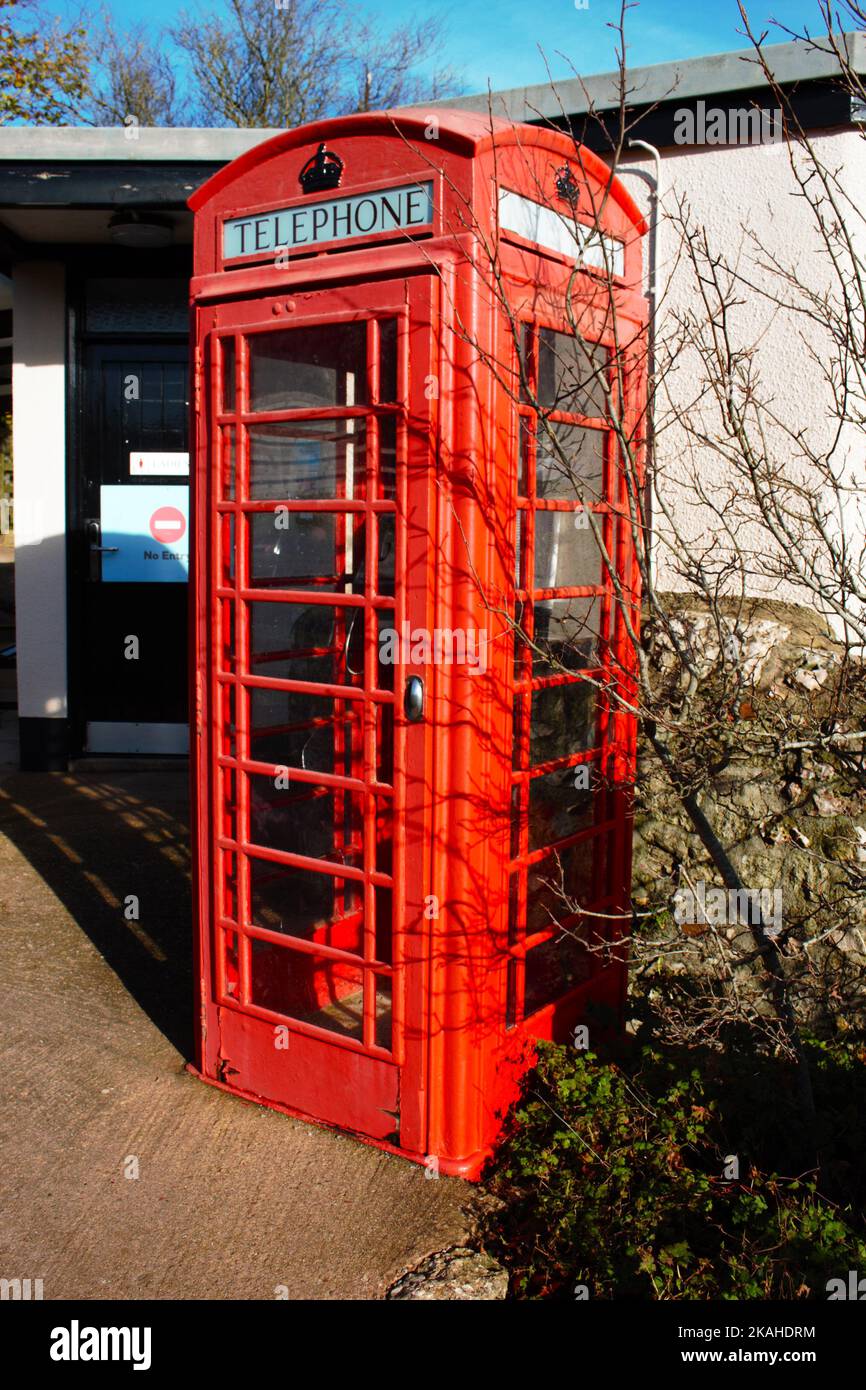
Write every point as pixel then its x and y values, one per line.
pixel 611 1177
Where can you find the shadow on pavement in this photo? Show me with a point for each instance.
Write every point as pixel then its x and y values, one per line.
pixel 98 842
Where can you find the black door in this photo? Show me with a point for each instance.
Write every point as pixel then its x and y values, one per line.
pixel 129 665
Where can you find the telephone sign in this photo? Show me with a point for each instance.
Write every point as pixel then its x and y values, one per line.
pixel 406 208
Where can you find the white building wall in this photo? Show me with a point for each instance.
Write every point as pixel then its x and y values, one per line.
pixel 746 199
pixel 39 460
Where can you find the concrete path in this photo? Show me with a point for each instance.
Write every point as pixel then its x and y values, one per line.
pixel 232 1200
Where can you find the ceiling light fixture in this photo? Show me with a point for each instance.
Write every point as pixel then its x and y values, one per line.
pixel 142 231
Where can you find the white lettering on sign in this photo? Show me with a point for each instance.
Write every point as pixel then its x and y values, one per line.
pixel 559 232
pixel 175 465
pixel 407 208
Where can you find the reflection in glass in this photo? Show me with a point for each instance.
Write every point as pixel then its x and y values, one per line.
pixel 309 368
pixel 299 550
pixel 310 460
pixel 299 819
pixel 387 456
pixel 553 969
pixel 306 904
pixel 291 728
pixel 387 361
pixel 569 463
pixel 562 721
pixel 228 385
pixel 560 885
pixel 557 807
pixel 566 551
pixel 571 374
pixel 314 989
pixel 566 634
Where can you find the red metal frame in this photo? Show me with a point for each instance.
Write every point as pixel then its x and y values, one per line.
pixel 434 838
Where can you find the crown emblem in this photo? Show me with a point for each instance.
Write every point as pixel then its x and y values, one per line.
pixel 567 185
pixel 324 169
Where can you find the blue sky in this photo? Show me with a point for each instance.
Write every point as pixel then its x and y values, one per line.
pixel 502 41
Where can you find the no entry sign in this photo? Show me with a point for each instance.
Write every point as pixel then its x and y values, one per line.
pixel 168 525
pixel 148 524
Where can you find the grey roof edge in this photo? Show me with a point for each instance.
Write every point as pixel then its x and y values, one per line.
pixel 148 144
pixel 685 78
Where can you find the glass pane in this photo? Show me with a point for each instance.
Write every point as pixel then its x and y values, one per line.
pixel 227 437
pixel 559 886
pixel 567 634
pixel 228 862
pixel 226 530
pixel 309 368
pixel 557 807
pixel 387 457
pixel 523 349
pixel 307 642
pixel 518 758
pixel 137 305
pixel 515 932
pixel 313 989
pixel 154 417
pixel 385 524
pixel 290 728
pixel 553 969
pixel 566 551
pixel 324 459
pixel 523 466
pixel 230 961
pixel 385 743
pixel 226 721
pixel 384 1011
pixel 516 805
pixel 569 463
pixel 317 822
pixel 519 546
pixel 228 387
pixel 390 651
pixel 387 361
pixel 571 374
pixel 226 653
pixel 302 903
pixel 563 721
pixel 304 550
pixel 511 995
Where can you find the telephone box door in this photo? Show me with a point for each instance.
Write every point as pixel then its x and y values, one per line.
pixel 315 556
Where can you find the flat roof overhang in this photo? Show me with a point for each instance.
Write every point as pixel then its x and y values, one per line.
pixel 59 185
pixel 588 107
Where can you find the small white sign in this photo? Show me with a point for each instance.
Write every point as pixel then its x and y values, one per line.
pixel 158 465
pixel 559 232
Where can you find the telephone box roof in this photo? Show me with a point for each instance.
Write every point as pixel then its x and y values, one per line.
pixel 470 133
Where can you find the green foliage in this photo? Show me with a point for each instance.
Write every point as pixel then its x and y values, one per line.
pixel 613 1177
pixel 43 67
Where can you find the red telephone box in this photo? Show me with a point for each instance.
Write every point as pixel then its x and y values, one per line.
pixel 412 765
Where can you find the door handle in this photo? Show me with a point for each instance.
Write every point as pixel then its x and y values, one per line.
pixel 413 699
pixel 94 549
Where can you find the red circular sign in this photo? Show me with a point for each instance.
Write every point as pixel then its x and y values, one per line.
pixel 168 525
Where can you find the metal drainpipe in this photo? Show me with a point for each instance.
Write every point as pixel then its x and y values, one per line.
pixel 652 295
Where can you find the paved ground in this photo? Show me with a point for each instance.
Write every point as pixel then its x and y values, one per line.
pixel 232 1200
